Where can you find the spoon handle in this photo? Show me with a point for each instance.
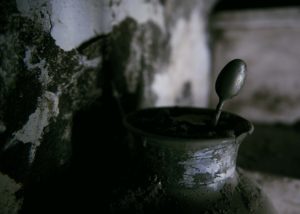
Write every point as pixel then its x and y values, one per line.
pixel 218 112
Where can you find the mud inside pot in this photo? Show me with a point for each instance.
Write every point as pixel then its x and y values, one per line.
pixel 185 122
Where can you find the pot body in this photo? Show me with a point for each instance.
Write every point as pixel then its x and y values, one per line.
pixel 187 172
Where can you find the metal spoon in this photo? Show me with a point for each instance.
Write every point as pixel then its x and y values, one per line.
pixel 228 84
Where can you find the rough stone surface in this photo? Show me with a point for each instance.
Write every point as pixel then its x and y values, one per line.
pixel 9 203
pixel 69 71
pixel 37 92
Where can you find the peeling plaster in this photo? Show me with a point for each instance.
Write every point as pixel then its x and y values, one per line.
pixel 47 108
pixel 86 63
pixel 76 21
pixel 32 131
pixel 48 103
pixel 44 77
pixel 72 22
pixel 189 62
pixel 9 204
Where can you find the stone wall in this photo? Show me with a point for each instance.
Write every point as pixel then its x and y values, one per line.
pixel 69 71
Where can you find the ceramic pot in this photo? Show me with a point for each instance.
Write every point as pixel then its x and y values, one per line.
pixel 186 165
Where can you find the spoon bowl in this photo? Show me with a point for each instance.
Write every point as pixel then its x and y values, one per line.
pixel 229 82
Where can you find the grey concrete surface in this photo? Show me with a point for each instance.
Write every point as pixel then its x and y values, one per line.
pixel 284 192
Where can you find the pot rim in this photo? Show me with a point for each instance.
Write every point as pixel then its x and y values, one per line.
pixel 180 139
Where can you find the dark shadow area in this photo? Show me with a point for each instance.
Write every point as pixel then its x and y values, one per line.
pixel 224 5
pixel 272 149
pixel 99 162
pixel 99 154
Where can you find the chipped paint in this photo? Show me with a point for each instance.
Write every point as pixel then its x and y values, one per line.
pixel 212 165
pixel 189 62
pixel 9 204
